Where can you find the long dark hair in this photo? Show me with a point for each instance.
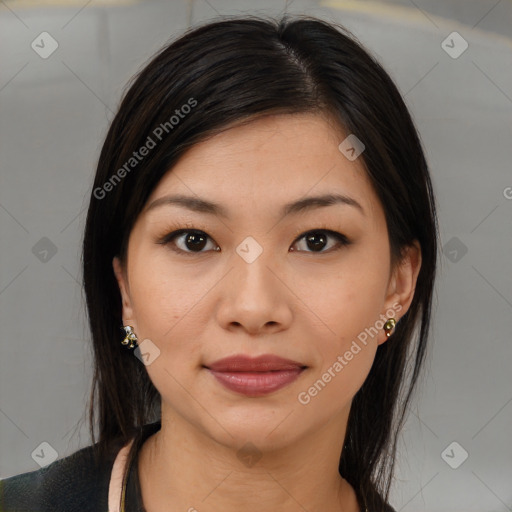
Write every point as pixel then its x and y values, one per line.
pixel 230 71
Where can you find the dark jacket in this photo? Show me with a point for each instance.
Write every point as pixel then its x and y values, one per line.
pixel 74 483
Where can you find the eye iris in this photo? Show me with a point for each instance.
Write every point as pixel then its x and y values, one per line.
pixel 198 241
pixel 316 236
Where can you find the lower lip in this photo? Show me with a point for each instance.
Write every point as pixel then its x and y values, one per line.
pixel 256 383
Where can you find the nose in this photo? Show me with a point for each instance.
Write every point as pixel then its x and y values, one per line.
pixel 255 296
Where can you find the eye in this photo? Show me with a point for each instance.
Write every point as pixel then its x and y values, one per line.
pixel 317 240
pixel 187 241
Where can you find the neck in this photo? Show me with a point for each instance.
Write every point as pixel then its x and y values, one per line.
pixel 183 469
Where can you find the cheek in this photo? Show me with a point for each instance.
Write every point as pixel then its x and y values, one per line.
pixel 344 359
pixel 348 297
pixel 165 303
pixel 349 304
pixel 333 387
pixel 160 292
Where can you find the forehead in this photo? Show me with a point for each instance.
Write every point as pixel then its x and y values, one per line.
pixel 268 162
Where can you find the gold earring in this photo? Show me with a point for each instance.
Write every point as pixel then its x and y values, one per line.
pixel 131 338
pixel 389 326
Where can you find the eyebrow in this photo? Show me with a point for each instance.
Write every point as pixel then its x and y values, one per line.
pixel 203 206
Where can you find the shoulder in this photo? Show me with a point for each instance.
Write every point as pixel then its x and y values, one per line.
pixel 77 482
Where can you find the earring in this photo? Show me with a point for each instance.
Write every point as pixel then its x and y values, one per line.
pixel 389 326
pixel 131 338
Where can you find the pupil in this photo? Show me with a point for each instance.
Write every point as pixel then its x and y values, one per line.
pixel 193 238
pixel 317 236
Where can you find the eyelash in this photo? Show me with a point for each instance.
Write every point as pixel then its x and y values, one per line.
pixel 342 240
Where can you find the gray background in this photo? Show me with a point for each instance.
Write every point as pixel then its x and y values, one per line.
pixel 54 113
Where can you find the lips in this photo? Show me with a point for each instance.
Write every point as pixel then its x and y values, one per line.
pixel 265 363
pixel 255 376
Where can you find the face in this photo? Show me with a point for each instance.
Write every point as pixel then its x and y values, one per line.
pixel 311 284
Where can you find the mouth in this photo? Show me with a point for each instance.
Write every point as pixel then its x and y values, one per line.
pixel 244 363
pixel 255 376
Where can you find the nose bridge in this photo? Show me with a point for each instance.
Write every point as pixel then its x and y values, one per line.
pixel 252 261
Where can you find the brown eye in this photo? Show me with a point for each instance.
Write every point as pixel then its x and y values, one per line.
pixel 317 240
pixel 187 241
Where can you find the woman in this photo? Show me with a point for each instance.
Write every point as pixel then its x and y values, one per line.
pixel 262 225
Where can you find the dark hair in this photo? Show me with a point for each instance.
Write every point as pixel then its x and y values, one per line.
pixel 230 71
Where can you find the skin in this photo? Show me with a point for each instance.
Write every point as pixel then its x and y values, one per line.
pixel 296 301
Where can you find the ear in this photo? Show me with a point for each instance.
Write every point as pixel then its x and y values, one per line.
pixel 122 281
pixel 402 285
